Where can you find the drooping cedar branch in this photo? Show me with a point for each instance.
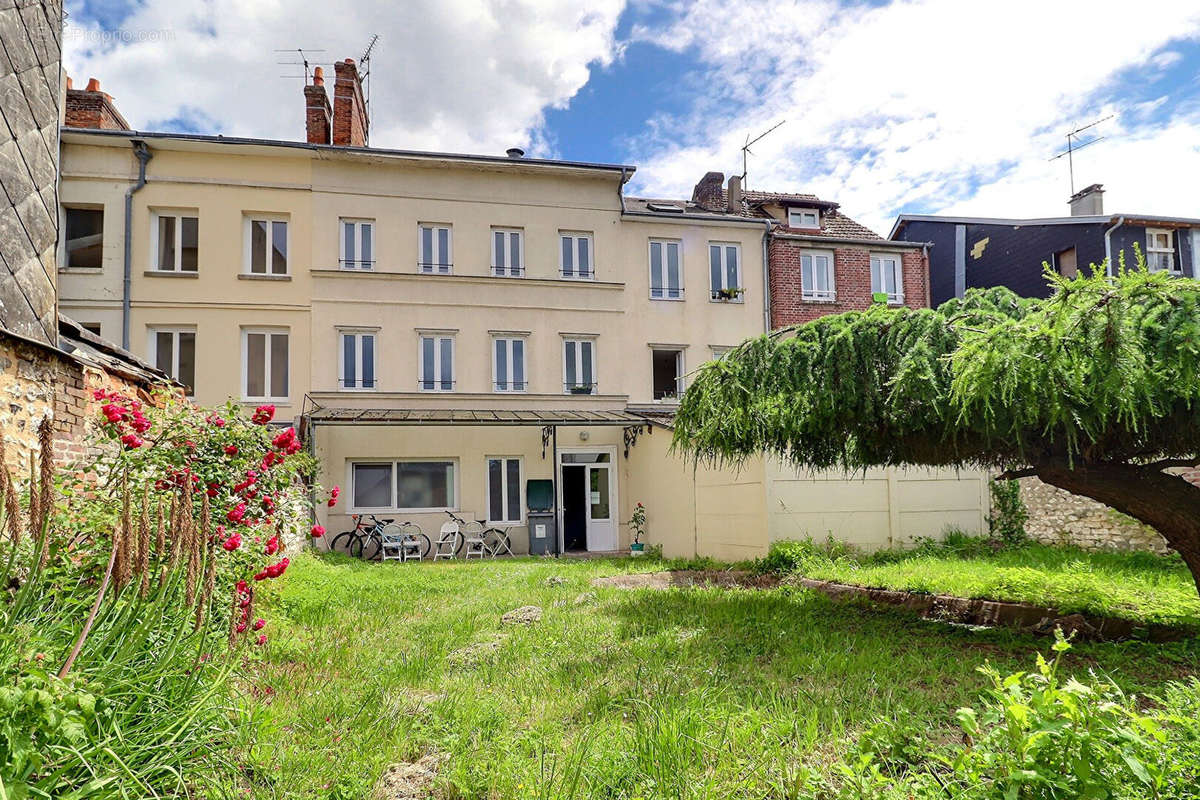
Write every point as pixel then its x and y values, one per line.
pixel 1102 378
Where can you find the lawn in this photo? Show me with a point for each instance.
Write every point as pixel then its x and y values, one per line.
pixel 686 693
pixel 1138 586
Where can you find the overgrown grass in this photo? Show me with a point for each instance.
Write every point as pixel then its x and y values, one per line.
pixel 687 693
pixel 1132 585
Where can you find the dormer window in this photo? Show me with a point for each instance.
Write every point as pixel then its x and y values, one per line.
pixel 804 218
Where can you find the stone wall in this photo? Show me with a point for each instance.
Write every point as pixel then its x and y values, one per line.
pixel 1058 517
pixel 30 110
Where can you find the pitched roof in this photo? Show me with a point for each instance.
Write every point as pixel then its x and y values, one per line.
pixel 833 222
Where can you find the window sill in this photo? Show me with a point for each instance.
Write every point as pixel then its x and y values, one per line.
pixel 162 273
pixel 284 402
pixel 80 270
pixel 723 302
pixel 243 276
pixel 819 300
pixel 667 299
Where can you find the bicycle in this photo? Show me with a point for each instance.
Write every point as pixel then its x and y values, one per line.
pixel 365 540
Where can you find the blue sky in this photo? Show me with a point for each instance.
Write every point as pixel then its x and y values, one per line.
pixel 920 106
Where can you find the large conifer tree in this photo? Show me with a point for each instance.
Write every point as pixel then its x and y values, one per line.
pixel 1095 390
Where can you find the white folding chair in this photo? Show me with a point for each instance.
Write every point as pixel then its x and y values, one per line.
pixel 473 534
pixel 391 545
pixel 447 543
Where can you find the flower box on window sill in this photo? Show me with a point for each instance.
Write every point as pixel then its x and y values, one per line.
pixel 584 389
pixel 727 295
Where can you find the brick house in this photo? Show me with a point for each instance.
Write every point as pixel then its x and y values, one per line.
pixel 821 261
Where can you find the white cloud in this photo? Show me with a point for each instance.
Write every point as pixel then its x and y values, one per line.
pixel 454 75
pixel 909 105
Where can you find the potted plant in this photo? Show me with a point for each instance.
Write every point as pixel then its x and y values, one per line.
pixel 638 523
pixel 582 388
pixel 732 293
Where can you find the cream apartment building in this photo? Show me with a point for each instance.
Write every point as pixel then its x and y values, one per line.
pixel 447 327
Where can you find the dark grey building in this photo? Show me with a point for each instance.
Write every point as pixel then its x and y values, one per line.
pixel 971 252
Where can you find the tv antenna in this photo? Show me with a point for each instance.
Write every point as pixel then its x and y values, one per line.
pixel 304 61
pixel 1072 147
pixel 746 147
pixel 365 65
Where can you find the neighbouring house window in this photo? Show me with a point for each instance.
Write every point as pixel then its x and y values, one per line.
pixel 264 364
pixel 267 246
pixel 174 352
pixel 1160 250
pixel 413 486
pixel 358 244
pixel 804 218
pixel 666 270
pixel 1066 263
pixel 176 242
pixel 504 489
pixel 434 254
pixel 816 276
pixel 507 252
pixel 886 276
pixel 719 350
pixel 579 366
pixel 575 256
pixel 91 327
pixel 668 374
pixel 508 364
pixel 437 363
pixel 85 238
pixel 725 271
pixel 356 361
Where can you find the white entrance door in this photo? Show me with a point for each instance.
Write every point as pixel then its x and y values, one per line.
pixel 600 495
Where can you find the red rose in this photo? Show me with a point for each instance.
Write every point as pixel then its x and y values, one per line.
pixel 243 587
pixel 263 415
pixel 231 450
pixel 233 542
pixel 318 531
pixel 261 640
pixel 272 545
pixel 213 419
pixel 259 624
pixel 333 496
pixel 241 628
pixel 113 412
pixel 132 441
pixel 236 513
pixel 284 439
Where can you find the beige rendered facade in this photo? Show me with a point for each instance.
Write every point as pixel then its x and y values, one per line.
pixel 347 280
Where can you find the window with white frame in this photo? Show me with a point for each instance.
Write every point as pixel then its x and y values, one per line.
pixel 356 360
pixel 266 250
pixel 508 252
pixel 809 218
pixel 357 243
pixel 667 373
pixel 887 276
pixel 719 350
pixel 504 489
pixel 508 364
pixel 725 271
pixel 666 269
pixel 265 364
pixel 816 276
pixel 175 242
pixel 434 249
pixel 575 256
pixel 579 366
pixel 436 362
pixel 1160 250
pixel 414 486
pixel 173 350
pixel 85 237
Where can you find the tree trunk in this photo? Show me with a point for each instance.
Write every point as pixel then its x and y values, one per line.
pixel 1167 503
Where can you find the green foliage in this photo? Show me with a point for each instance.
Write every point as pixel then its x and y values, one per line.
pixel 1009 514
pixel 1038 736
pixel 1107 366
pixel 1143 587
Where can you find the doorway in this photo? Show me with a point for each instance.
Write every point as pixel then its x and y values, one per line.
pixel 587 486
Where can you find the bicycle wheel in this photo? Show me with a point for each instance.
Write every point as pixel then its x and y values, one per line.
pixel 372 543
pixel 344 543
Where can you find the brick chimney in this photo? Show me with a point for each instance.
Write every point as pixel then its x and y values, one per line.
pixel 733 195
pixel 1088 201
pixel 92 108
pixel 707 193
pixel 318 117
pixel 350 124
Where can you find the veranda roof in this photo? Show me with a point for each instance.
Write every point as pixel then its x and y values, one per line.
pixel 455 416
